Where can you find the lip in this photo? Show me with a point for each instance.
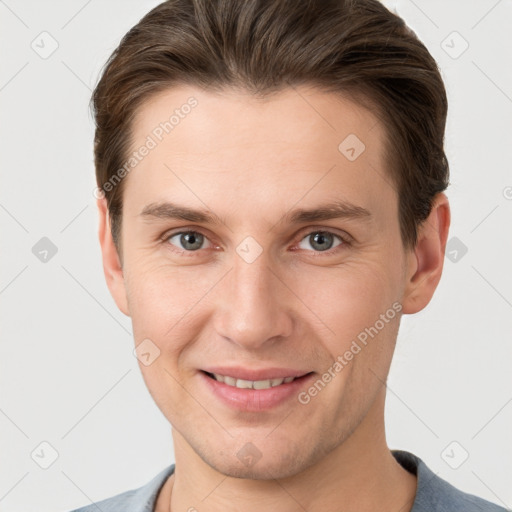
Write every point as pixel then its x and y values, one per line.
pixel 255 400
pixel 256 374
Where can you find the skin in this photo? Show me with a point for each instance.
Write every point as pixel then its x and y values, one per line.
pixel 251 161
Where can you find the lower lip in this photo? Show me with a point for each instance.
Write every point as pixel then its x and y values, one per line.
pixel 256 400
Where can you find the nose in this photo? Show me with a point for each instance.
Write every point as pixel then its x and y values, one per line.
pixel 253 306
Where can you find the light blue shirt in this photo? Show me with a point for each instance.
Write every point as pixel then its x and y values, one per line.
pixel 433 494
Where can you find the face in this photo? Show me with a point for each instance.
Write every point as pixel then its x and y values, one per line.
pixel 270 286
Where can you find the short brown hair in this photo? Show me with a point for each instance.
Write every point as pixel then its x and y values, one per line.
pixel 356 48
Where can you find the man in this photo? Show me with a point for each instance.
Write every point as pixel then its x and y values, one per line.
pixel 270 190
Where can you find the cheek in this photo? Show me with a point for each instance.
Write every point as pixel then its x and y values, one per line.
pixel 162 307
pixel 350 300
pixel 347 297
pixel 163 301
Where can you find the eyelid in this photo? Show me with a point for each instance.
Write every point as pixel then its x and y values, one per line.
pixel 345 238
pixel 343 235
pixel 179 231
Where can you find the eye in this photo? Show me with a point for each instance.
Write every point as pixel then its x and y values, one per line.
pixel 187 241
pixel 322 241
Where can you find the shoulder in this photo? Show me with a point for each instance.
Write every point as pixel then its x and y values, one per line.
pixel 141 499
pixel 434 494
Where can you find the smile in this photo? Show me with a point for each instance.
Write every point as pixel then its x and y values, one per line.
pixel 250 384
pixel 259 390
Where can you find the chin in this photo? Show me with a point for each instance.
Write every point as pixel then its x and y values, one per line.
pixel 259 471
pixel 278 464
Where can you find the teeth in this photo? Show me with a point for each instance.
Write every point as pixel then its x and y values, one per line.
pixel 244 384
pixel 262 384
pixel 251 384
pixel 227 380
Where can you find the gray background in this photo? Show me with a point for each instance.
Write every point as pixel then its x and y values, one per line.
pixel 68 375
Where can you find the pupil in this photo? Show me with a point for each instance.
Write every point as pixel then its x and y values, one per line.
pixel 191 238
pixel 319 239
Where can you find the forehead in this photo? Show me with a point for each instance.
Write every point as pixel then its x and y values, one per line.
pixel 289 115
pixel 300 142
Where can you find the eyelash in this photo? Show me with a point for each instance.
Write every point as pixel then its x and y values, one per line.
pixel 346 240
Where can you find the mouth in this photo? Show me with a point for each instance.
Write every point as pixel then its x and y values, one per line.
pixel 254 390
pixel 253 384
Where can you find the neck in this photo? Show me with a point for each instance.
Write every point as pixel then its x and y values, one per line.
pixel 360 474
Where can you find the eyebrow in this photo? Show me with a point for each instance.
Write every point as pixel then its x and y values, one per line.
pixel 336 210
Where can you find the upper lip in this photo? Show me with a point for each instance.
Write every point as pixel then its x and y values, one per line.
pixel 254 373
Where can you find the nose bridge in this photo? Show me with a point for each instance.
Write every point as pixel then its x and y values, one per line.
pixel 253 306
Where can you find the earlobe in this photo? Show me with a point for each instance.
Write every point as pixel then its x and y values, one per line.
pixel 425 262
pixel 111 263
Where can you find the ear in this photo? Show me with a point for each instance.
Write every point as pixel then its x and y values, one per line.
pixel 111 262
pixel 425 261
